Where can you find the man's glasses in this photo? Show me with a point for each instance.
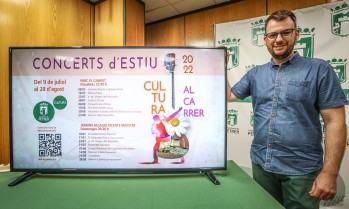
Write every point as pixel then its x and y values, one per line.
pixel 284 34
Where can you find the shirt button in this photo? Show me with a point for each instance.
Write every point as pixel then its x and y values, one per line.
pixel 269 145
pixel 273 114
pixel 277 85
pixel 270 130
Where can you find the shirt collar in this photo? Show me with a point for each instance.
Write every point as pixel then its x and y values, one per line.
pixel 292 60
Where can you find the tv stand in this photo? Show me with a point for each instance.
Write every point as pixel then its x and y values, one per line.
pixel 27 175
pixel 214 180
pixel 22 178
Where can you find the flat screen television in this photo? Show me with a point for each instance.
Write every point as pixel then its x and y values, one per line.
pixel 117 110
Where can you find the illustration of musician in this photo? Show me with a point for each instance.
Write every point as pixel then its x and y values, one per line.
pixel 161 135
pixel 171 141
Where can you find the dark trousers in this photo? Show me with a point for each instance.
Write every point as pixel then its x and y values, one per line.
pixel 291 191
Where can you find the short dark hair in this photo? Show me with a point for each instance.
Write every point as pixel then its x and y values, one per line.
pixel 281 15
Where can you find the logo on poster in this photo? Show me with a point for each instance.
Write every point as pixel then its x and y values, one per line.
pixel 43 112
pixel 249 67
pixel 250 130
pixel 233 50
pixel 340 20
pixel 339 66
pixel 251 119
pixel 232 117
pixel 232 121
pixel 257 32
pixel 305 45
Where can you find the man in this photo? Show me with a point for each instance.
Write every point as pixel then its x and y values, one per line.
pixel 288 94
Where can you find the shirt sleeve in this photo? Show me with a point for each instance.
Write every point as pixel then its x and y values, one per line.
pixel 330 91
pixel 242 88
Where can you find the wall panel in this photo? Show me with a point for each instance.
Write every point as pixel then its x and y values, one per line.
pixel 169 33
pixel 109 23
pixel 135 10
pixel 199 27
pixel 36 23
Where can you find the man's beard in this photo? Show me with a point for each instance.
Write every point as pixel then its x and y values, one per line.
pixel 281 56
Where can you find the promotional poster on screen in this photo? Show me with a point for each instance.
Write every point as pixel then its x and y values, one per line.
pixel 118 108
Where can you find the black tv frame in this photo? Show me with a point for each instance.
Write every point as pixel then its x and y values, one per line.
pixel 30 172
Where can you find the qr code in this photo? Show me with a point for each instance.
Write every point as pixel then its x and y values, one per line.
pixel 50 145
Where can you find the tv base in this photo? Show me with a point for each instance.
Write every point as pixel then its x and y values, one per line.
pixel 27 175
pixel 213 179
pixel 21 178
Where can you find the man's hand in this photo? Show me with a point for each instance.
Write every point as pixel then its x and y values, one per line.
pixel 324 187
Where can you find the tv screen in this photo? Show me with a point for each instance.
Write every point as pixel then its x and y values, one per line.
pixel 117 109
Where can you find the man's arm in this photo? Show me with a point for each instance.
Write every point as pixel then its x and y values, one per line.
pixel 325 186
pixel 173 115
pixel 230 96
